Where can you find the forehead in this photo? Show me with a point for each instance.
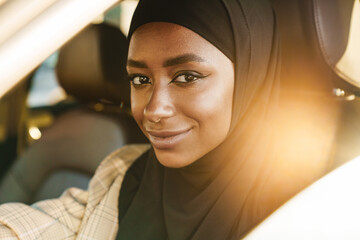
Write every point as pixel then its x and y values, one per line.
pixel 166 39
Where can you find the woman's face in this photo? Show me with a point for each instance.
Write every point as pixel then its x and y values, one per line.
pixel 181 93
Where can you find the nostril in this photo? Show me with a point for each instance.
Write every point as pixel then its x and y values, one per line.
pixel 155 115
pixel 154 112
pixel 154 118
pixel 159 105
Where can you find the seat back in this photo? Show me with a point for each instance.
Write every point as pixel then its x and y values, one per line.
pixel 335 27
pixel 321 51
pixel 317 37
pixel 91 66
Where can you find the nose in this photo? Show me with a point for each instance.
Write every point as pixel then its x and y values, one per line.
pixel 159 105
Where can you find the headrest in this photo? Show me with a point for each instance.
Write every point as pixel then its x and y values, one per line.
pixel 337 24
pixel 91 66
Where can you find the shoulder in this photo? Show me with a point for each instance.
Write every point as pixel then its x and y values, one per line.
pixel 68 214
pixel 120 160
pixel 115 166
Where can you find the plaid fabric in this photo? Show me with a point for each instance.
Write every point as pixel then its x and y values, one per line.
pixel 77 214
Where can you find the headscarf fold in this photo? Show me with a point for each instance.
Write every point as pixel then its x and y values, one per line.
pixel 222 195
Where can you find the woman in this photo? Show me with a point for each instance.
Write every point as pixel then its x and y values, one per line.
pixel 204 86
pixel 204 78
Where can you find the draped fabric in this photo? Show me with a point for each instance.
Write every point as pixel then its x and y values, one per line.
pixel 223 194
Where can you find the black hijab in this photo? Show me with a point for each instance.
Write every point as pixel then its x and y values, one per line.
pixel 223 194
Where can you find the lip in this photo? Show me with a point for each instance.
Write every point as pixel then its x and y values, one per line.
pixel 167 139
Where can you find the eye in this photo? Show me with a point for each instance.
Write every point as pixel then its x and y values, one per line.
pixel 138 80
pixel 187 77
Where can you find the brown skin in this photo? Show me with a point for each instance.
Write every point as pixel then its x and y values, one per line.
pixel 181 93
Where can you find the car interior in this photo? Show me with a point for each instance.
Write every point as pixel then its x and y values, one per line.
pixel 91 69
pixel 317 38
pixel 320 80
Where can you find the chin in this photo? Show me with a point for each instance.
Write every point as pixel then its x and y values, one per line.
pixel 172 159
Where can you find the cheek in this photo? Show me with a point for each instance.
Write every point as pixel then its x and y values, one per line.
pixel 217 115
pixel 212 109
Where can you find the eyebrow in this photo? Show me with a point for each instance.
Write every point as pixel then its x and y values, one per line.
pixel 183 59
pixel 169 62
pixel 136 64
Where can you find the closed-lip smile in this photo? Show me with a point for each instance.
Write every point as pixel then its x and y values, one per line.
pixel 166 139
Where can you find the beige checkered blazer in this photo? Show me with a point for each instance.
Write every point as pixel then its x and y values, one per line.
pixel 77 214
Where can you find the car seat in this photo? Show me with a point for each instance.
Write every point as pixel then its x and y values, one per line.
pixel 316 90
pixel 310 115
pixel 327 62
pixel 91 67
pixel 334 27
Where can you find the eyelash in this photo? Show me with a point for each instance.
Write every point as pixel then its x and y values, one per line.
pixel 144 78
pixel 132 78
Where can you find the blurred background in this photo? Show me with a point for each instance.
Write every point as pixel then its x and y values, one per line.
pixel 59 121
